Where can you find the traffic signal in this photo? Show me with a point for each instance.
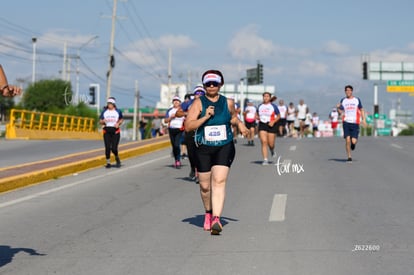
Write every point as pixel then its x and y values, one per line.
pixel 376 111
pixel 365 70
pixel 92 93
pixel 259 73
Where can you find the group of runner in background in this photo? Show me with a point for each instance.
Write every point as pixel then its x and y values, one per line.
pixel 266 120
pixel 295 121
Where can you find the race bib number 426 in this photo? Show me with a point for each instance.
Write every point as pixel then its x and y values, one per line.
pixel 215 133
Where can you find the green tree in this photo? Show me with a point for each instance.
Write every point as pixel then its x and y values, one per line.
pixel 82 110
pixel 6 103
pixel 408 132
pixel 48 96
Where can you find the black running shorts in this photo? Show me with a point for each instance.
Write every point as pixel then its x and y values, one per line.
pixel 281 122
pixel 209 156
pixel 250 124
pixel 267 128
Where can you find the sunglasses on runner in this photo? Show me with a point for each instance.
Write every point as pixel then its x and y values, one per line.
pixel 211 83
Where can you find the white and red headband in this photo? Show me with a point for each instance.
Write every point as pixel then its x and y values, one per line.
pixel 211 78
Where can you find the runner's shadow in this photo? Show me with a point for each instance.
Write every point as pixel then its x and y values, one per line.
pixel 172 166
pixel 338 160
pixel 7 253
pixel 198 220
pixel 185 179
pixel 260 162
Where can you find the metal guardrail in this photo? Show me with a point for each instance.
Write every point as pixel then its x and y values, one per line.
pixel 30 121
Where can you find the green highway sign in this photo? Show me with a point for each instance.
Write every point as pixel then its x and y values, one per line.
pixel 384 132
pixel 400 83
pixel 370 118
pixel 398 86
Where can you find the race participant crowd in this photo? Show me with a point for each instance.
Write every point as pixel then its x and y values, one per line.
pixel 266 120
pixel 206 125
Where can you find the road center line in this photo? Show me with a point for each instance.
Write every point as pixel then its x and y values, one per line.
pixel 292 148
pixel 396 146
pixel 53 190
pixel 277 212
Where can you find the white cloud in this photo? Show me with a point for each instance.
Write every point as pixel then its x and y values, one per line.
pixel 143 52
pixel 335 48
pixel 411 46
pixel 312 68
pixel 177 42
pixel 247 44
pixel 390 56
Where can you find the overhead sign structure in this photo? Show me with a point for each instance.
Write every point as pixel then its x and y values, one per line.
pixel 255 75
pixel 388 71
pixel 252 76
pixel 400 86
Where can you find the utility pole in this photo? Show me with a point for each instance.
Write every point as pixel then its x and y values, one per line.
pixel 34 39
pixel 189 81
pixel 169 75
pixel 242 98
pixel 68 72
pixel 136 111
pixel 375 104
pixel 111 53
pixel 65 56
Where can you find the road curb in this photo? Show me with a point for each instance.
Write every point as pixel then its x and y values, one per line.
pixel 32 178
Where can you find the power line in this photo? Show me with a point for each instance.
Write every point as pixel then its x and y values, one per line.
pixel 17 28
pixel 158 78
pixel 132 42
pixel 100 77
pixel 16 56
pixel 156 56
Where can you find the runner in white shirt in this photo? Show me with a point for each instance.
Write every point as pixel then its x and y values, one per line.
pixel 352 112
pixel 302 110
pixel 290 118
pixel 333 116
pixel 315 123
pixel 283 115
pixel 250 121
pixel 308 124
pixel 111 119
pixel 175 117
pixel 268 115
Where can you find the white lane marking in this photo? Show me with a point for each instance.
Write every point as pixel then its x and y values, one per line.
pixel 277 212
pixel 53 190
pixel 396 146
pixel 292 148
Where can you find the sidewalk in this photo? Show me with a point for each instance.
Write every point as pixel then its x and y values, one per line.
pixel 17 176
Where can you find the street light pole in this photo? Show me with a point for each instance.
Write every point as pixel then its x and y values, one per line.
pixel 76 101
pixel 111 53
pixel 34 39
pixel 375 133
pixel 242 97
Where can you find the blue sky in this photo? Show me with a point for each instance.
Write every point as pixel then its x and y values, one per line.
pixel 309 49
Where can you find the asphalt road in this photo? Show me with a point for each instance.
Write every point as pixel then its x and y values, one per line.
pixel 316 214
pixel 15 152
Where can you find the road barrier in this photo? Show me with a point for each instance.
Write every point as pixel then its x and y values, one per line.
pixel 39 125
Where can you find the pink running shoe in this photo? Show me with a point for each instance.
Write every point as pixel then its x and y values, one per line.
pixel 207 221
pixel 216 226
pixel 177 164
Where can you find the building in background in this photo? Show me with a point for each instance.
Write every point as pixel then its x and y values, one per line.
pixel 166 94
